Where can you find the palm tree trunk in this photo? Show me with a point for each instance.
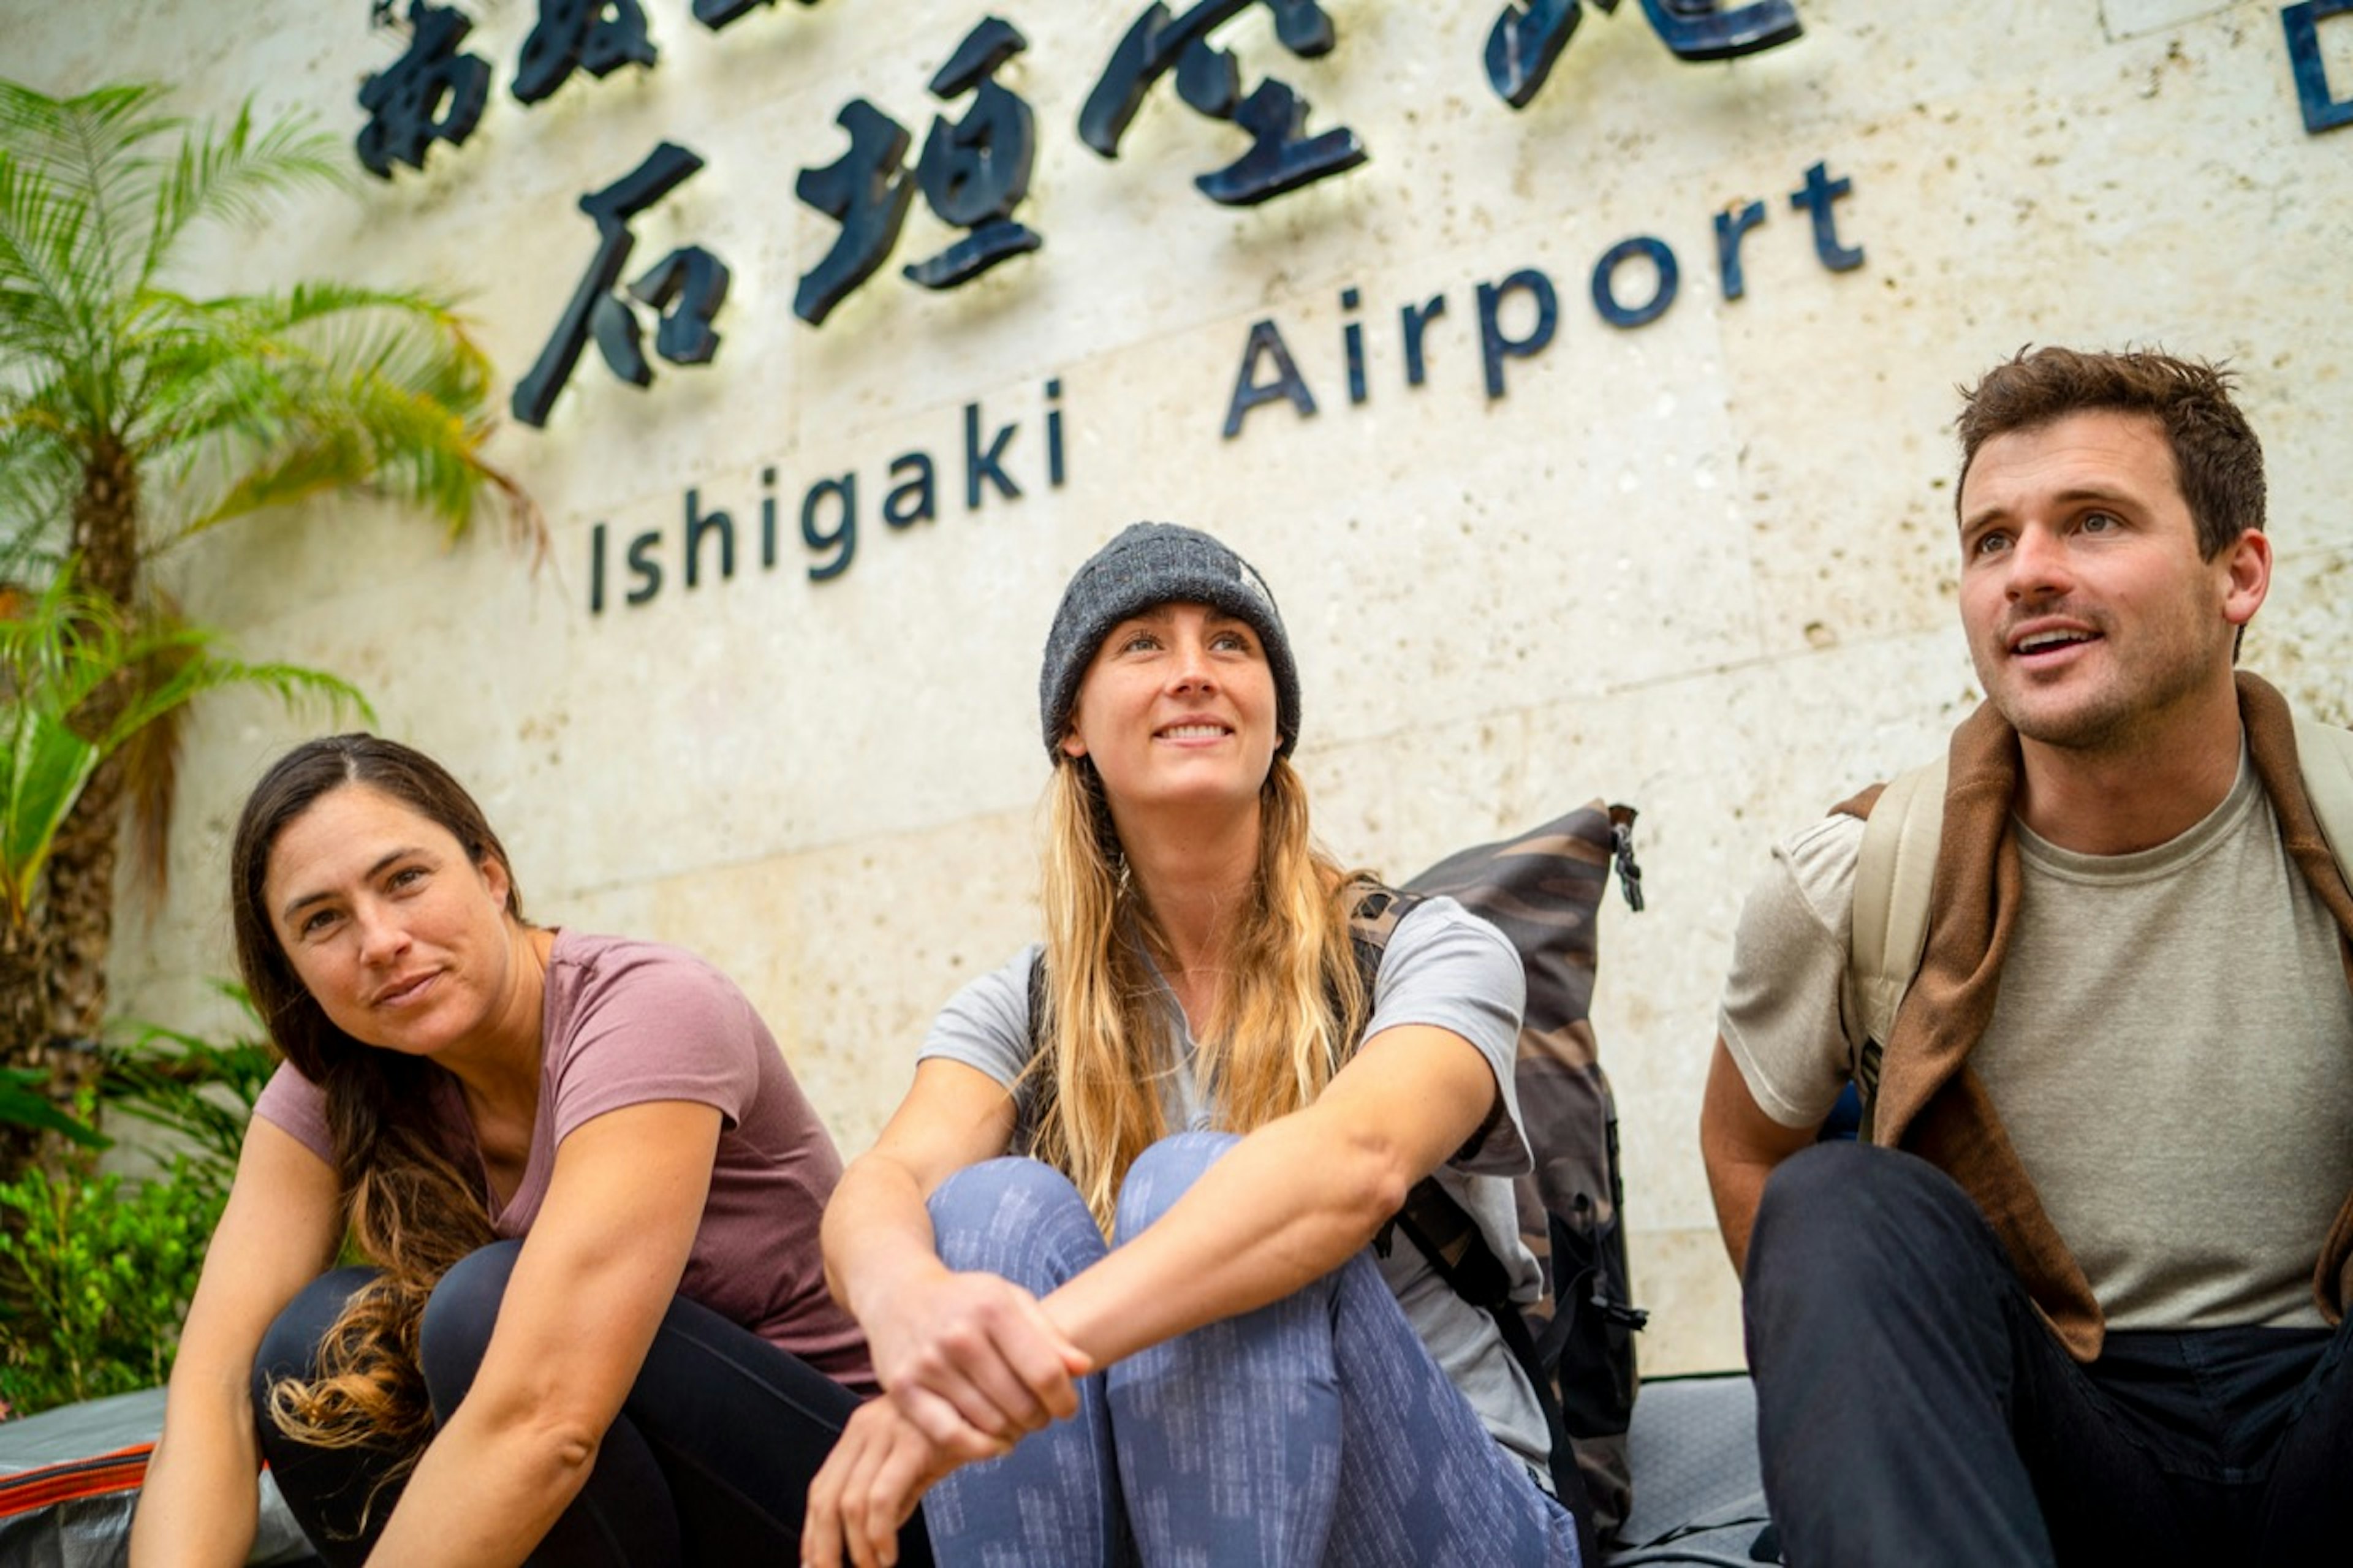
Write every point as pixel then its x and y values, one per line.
pixel 78 902
pixel 77 910
pixel 24 1030
pixel 106 521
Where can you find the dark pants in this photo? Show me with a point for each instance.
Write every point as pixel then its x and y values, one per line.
pixel 708 1461
pixel 1913 1408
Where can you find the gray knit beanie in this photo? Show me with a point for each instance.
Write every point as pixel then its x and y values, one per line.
pixel 1155 563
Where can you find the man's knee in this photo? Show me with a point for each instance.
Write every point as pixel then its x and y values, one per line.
pixel 1850 1219
pixel 1162 1173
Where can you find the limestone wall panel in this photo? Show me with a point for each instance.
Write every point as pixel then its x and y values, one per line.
pixel 1705 564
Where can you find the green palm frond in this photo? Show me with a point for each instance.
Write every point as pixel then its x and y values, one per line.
pixel 229 174
pixel 59 652
pixel 256 401
pixel 282 398
pixel 40 472
pixel 40 285
pixel 88 143
pixel 134 414
pixel 42 771
pixel 103 156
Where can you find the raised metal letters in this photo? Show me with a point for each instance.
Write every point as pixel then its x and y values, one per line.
pixel 431 93
pixel 2322 111
pixel 1283 157
pixel 716 13
pixel 1527 39
pixel 599 36
pixel 685 288
pixel 1707 30
pixel 974 173
pixel 868 191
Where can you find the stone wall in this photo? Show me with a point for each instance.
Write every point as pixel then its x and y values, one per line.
pixel 1703 564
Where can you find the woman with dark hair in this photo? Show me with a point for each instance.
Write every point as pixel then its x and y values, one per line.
pixel 592 1326
pixel 1173 1326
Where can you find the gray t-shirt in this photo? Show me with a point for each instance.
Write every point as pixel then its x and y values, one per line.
pixel 2171 1052
pixel 1444 967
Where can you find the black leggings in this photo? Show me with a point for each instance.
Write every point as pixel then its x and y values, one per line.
pixel 708 1462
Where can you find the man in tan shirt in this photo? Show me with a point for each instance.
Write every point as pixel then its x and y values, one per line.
pixel 2080 1309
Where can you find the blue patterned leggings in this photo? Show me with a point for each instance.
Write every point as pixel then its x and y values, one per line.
pixel 1313 1430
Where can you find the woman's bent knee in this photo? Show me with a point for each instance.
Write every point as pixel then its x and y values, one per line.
pixel 455 1331
pixel 1016 1218
pixel 1165 1172
pixel 291 1347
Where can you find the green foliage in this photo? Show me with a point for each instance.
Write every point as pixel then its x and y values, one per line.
pixel 96 1273
pixel 137 410
pixel 201 1091
pixel 24 1103
pixel 220 406
pixel 57 655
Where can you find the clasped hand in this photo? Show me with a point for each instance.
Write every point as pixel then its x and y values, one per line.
pixel 970 1363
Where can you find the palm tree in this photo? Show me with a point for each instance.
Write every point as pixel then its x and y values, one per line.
pixel 135 414
pixel 61 656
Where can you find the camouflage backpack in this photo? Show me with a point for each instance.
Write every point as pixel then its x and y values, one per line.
pixel 1575 1343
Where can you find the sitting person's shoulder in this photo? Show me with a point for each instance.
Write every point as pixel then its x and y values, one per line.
pixel 1439 921
pixel 1823 853
pixel 606 959
pixel 589 973
pixel 987 1022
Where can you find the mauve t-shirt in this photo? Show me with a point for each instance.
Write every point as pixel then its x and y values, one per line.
pixel 630 1022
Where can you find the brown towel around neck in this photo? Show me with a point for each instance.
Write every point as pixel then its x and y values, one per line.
pixel 1929 1100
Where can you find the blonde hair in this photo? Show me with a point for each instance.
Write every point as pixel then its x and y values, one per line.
pixel 1289 1005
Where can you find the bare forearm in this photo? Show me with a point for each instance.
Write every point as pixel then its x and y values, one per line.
pixel 1737 1186
pixel 486 1492
pixel 1287 1204
pixel 877 1234
pixel 198 1504
pixel 1740 1145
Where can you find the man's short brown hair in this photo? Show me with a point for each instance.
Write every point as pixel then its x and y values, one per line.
pixel 2216 460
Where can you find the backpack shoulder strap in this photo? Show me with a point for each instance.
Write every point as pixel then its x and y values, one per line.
pixel 1893 878
pixel 1372 920
pixel 2325 753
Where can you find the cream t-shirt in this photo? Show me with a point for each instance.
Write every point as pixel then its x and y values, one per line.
pixel 2171 1052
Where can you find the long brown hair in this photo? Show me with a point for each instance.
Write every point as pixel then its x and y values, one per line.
pixel 1288 1008
pixel 410 1207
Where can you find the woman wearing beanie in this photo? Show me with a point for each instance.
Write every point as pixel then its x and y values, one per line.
pixel 1121 1254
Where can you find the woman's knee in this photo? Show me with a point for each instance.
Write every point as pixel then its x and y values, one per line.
pixel 1016 1218
pixel 291 1347
pixel 455 1329
pixel 1162 1173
